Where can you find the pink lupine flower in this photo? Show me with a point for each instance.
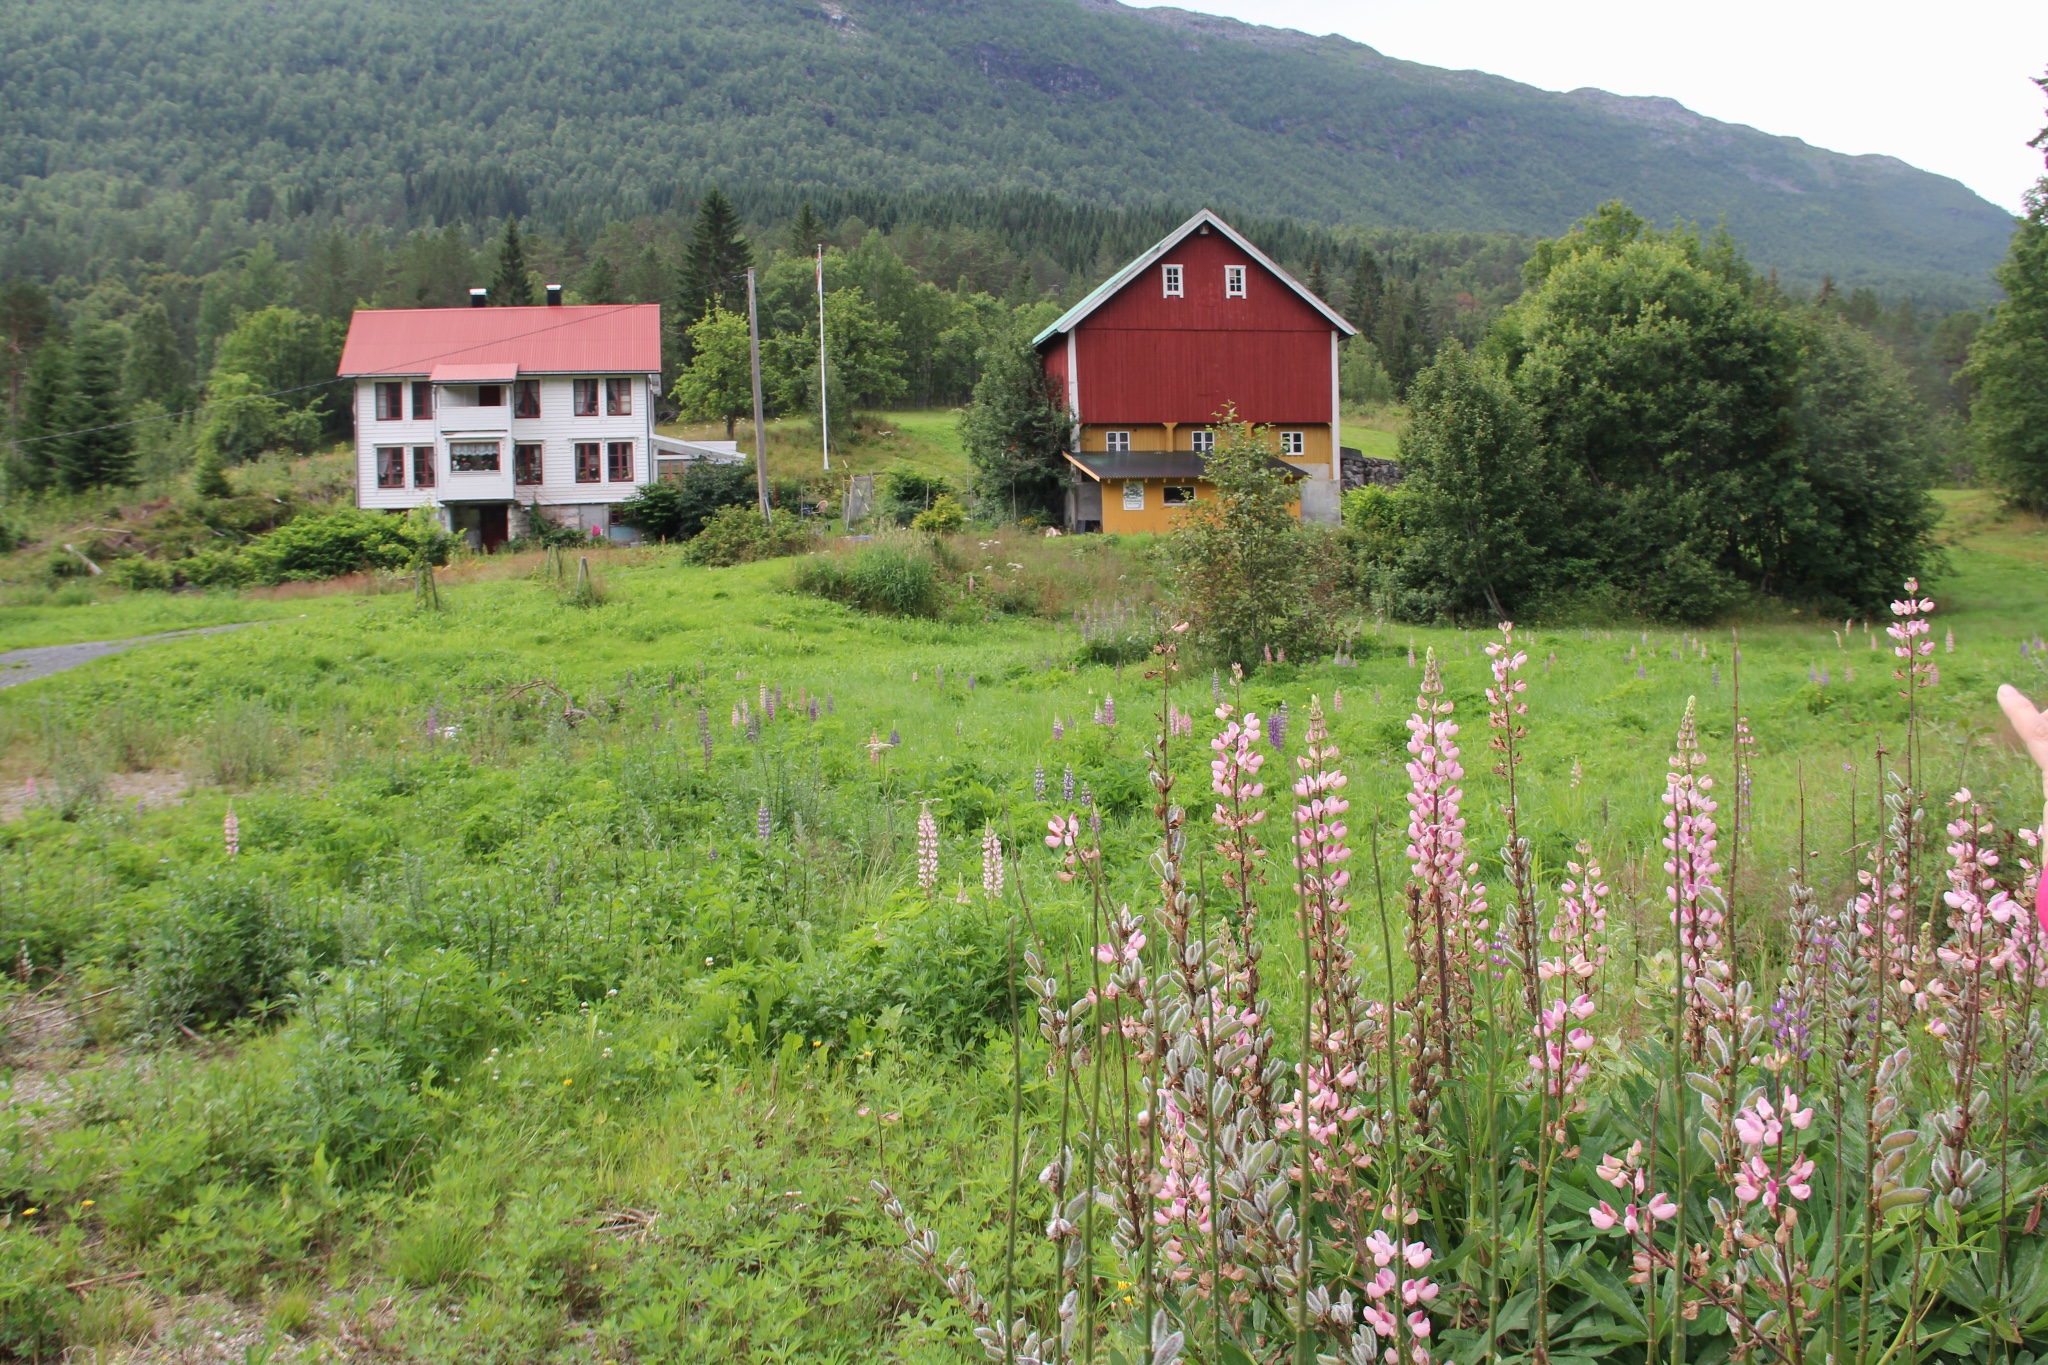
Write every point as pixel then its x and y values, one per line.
pixel 927 849
pixel 230 831
pixel 991 863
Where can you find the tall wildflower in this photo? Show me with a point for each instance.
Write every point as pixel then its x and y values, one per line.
pixel 991 862
pixel 1447 910
pixel 231 832
pixel 1697 907
pixel 704 731
pixel 927 849
pixel 1580 933
pixel 1038 780
pixel 1958 996
pixel 763 824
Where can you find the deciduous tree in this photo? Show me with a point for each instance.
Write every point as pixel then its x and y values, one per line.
pixel 2009 366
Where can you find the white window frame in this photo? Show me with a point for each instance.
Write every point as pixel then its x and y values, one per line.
pixel 1202 441
pixel 1117 442
pixel 1233 282
pixel 1172 280
pixel 1292 443
pixel 1134 495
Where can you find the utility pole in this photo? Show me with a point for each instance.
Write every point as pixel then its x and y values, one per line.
pixel 760 425
pixel 824 412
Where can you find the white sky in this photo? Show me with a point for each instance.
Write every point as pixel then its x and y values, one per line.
pixel 1942 84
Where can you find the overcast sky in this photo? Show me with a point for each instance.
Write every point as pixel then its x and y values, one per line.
pixel 1942 84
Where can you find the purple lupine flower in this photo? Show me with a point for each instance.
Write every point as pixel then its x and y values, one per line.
pixel 1067 785
pixel 970 682
pixel 762 823
pixel 704 731
pixel 1216 686
pixel 778 701
pixel 1824 679
pixel 814 708
pixel 1717 675
pixel 1411 654
pixel 1094 820
pixel 1059 731
pixel 1109 710
pixel 1038 781
pixel 754 728
pixel 1276 727
pixel 828 703
pixel 1087 797
pixel 1640 673
pixel 895 738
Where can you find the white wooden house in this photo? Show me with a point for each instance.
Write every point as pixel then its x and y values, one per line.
pixel 495 415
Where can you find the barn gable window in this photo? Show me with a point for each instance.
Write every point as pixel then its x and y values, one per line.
pixel 1233 281
pixel 1117 442
pixel 1169 276
pixel 1204 441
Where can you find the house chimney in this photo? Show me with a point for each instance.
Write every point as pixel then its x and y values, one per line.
pixel 479 297
pixel 554 296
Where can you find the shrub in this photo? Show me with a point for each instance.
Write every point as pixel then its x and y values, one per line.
pixel 678 510
pixel 890 580
pixel 222 945
pixel 222 568
pixel 138 573
pixel 905 493
pixel 943 517
pixel 737 535
pixel 327 546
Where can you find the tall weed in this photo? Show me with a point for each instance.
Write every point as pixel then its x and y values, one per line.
pixel 245 744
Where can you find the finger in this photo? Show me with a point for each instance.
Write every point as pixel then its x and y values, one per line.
pixel 2023 714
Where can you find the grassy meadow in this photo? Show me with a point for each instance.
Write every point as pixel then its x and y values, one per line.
pixel 559 998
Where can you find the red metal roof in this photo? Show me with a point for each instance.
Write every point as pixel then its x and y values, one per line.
pixel 584 339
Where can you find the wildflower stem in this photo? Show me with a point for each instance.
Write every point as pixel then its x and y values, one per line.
pixel 1016 1157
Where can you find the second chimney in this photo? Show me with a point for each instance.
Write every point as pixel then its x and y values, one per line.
pixel 554 296
pixel 479 297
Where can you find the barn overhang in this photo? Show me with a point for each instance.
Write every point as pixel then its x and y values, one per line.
pixel 1105 466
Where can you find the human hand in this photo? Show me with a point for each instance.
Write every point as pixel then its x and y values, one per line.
pixel 2031 725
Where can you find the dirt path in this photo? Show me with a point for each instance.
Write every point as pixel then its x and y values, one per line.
pixel 26 665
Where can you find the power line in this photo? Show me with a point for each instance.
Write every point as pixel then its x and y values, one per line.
pixel 401 368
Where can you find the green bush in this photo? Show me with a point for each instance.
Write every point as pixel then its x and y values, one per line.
pixel 678 510
pixel 905 493
pixel 737 535
pixel 138 573
pixel 223 568
pixel 328 546
pixel 943 517
pixel 890 580
pixel 941 976
pixel 222 944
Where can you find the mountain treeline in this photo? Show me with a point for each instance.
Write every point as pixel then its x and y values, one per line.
pixel 180 133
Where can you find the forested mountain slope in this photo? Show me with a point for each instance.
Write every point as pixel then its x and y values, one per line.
pixel 140 129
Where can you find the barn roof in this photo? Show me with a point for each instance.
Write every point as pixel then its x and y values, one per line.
pixel 581 339
pixel 1108 289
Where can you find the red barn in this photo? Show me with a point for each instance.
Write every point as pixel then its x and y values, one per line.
pixel 1202 321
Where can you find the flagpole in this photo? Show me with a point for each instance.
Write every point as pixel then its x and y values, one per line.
pixel 824 412
pixel 760 426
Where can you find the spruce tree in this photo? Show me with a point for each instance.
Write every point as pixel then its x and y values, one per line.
pixel 1366 289
pixel 1316 283
pixel 511 286
pixel 45 410
pixel 599 282
pixel 99 452
pixel 26 317
pixel 807 231
pixel 714 269
pixel 154 370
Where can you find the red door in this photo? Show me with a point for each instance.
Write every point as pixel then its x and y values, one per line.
pixel 492 527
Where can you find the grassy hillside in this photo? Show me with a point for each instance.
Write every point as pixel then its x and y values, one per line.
pixel 140 129
pixel 577 1065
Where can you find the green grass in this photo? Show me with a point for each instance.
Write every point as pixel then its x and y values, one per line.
pixel 927 441
pixel 594 1070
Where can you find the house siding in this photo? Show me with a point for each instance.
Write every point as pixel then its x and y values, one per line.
pixel 555 430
